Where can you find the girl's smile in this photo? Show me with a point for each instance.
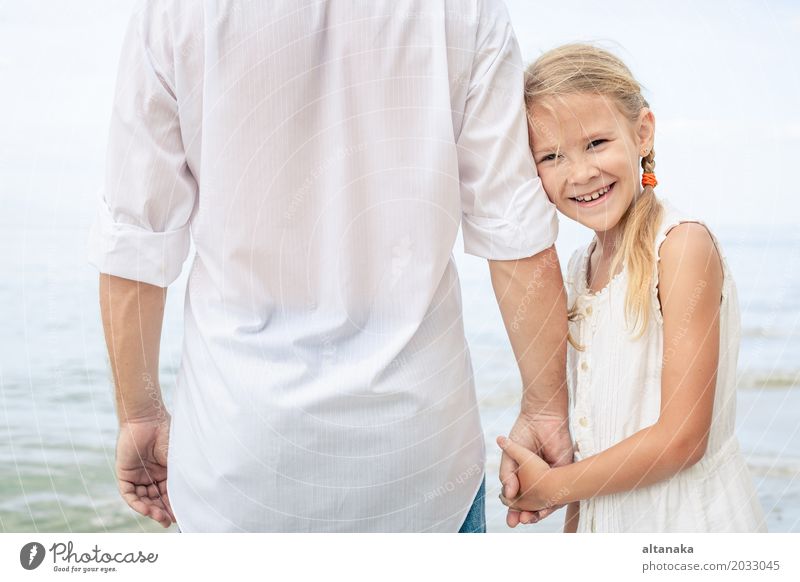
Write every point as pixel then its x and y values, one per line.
pixel 594 198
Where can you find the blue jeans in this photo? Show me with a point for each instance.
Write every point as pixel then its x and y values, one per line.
pixel 476 518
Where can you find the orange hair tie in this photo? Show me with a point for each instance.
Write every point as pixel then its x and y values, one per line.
pixel 649 179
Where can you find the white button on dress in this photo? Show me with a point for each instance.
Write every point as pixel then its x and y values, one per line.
pixel 321 156
pixel 622 395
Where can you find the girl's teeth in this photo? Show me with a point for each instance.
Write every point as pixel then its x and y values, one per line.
pixel 594 196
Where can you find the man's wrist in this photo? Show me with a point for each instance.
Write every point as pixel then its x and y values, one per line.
pixel 536 413
pixel 140 401
pixel 545 402
pixel 155 413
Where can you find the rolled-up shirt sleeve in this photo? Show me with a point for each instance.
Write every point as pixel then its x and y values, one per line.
pixel 141 225
pixel 505 211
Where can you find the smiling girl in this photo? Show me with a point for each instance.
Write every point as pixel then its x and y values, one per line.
pixel 654 322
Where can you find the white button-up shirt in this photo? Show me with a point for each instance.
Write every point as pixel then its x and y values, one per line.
pixel 321 156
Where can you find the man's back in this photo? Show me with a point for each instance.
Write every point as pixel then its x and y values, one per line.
pixel 322 155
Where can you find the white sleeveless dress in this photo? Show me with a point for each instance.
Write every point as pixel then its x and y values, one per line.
pixel 615 391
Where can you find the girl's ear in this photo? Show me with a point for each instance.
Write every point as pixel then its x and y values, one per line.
pixel 646 129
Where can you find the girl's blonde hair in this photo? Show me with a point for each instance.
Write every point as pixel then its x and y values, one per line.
pixel 582 68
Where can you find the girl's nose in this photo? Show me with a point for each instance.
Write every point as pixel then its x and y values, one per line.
pixel 583 171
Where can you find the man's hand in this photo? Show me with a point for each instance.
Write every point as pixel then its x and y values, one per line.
pixel 142 468
pixel 546 436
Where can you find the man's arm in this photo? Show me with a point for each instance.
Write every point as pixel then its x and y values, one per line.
pixel 532 300
pixel 132 314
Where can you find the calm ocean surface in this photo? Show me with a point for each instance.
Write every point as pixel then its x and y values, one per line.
pixel 57 424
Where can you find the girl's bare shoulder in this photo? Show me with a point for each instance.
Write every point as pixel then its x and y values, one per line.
pixel 689 257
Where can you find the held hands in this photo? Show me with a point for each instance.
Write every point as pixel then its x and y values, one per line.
pixel 142 468
pixel 533 472
pixel 540 441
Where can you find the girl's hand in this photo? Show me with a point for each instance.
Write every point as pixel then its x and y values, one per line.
pixel 535 479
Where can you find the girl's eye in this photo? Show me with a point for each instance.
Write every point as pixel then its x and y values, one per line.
pixel 549 158
pixel 597 142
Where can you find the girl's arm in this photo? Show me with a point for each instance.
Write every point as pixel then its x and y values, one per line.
pixel 690 275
